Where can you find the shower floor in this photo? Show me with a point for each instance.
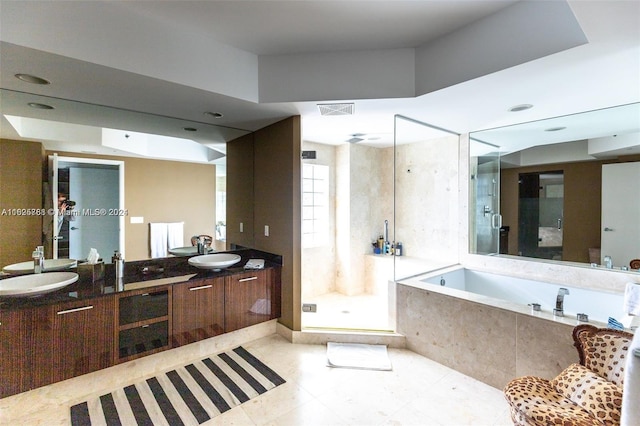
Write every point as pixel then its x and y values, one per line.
pixel 338 311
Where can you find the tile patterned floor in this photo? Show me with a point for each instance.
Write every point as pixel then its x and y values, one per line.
pixel 417 392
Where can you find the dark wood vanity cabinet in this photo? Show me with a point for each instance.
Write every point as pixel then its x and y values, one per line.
pixel 25 345
pixel 198 310
pixel 82 335
pixel 247 299
pixel 42 345
pixel 45 344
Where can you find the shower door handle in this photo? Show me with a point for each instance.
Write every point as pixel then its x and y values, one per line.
pixel 559 223
pixel 496 221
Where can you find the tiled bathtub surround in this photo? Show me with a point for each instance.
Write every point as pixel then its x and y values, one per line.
pixel 490 344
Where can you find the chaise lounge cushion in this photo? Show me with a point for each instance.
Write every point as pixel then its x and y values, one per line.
pixel 534 401
pixel 601 398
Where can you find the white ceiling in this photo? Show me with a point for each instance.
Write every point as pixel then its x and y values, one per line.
pixel 181 58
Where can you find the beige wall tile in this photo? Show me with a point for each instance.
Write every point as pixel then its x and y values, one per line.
pixel 544 348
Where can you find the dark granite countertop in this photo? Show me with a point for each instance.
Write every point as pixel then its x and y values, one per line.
pixel 163 271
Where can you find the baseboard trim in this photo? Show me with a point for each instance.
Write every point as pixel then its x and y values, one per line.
pixel 321 337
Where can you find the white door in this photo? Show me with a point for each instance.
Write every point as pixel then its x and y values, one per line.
pixel 95 191
pixel 620 234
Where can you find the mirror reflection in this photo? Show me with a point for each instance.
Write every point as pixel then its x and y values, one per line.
pixel 559 189
pixel 108 145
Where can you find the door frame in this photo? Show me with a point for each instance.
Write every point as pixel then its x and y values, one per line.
pixel 54 161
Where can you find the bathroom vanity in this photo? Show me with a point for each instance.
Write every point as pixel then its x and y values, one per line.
pixel 163 304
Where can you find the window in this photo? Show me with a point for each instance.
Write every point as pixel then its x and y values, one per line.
pixel 315 205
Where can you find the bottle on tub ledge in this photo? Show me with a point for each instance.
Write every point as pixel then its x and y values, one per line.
pixel 398 249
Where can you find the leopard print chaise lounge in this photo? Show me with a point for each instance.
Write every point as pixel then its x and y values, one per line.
pixel 585 394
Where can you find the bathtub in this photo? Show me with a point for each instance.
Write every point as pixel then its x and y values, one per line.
pixel 518 294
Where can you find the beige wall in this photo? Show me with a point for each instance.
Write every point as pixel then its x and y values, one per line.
pixel 21 167
pixel 164 191
pixel 168 191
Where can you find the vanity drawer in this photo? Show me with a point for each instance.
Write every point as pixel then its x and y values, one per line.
pixel 141 339
pixel 143 306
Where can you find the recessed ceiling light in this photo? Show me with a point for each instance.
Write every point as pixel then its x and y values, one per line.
pixel 522 107
pixel 554 129
pixel 39 106
pixel 190 129
pixel 32 79
pixel 214 114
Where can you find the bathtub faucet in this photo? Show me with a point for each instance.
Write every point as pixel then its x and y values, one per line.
pixel 559 310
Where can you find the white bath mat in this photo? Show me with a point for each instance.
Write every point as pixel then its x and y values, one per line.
pixel 358 355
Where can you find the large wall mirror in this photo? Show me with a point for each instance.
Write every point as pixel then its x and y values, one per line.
pixel 143 140
pixel 562 189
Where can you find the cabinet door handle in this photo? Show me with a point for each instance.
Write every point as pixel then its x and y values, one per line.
pixel 247 279
pixel 202 287
pixel 68 311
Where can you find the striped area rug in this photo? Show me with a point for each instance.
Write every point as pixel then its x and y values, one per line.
pixel 189 395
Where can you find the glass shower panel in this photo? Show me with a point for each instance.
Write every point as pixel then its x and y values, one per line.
pixel 426 208
pixel 347 194
pixel 487 236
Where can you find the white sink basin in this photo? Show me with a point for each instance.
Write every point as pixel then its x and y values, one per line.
pixel 187 251
pixel 214 261
pixel 49 265
pixel 36 284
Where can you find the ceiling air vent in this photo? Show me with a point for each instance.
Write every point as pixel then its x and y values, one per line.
pixel 336 109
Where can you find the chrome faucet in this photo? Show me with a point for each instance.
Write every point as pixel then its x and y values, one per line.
pixel 608 262
pixel 559 309
pixel 38 260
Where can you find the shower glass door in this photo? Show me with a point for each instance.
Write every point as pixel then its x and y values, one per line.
pixel 347 194
pixel 426 207
pixel 487 235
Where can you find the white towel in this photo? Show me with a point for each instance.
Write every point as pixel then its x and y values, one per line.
pixel 632 299
pixel 175 234
pixel 631 394
pixel 158 239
